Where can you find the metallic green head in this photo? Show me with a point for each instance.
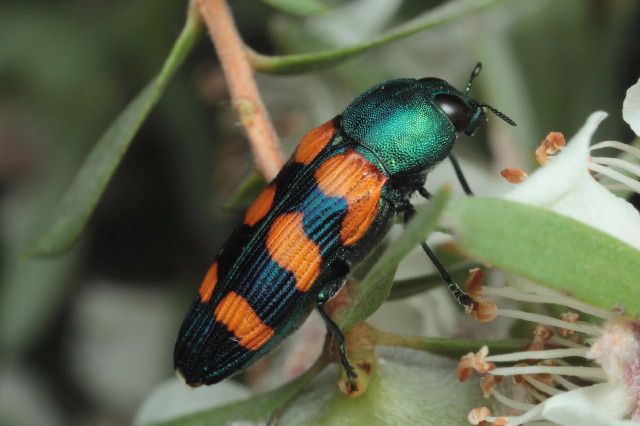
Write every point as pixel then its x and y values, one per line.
pixel 411 125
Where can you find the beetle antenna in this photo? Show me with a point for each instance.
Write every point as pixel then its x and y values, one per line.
pixel 499 114
pixel 474 74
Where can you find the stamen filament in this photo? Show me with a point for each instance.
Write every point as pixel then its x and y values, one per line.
pixel 511 403
pixel 563 363
pixel 549 390
pixel 543 319
pixel 533 414
pixel 531 287
pixel 588 372
pixel 546 354
pixel 617 176
pixel 564 382
pixel 537 395
pixel 618 145
pixel 561 341
pixel 616 186
pixel 559 299
pixel 618 162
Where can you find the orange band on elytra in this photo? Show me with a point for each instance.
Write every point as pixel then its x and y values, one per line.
pixel 209 283
pixel 291 248
pixel 313 142
pixel 354 178
pixel 235 312
pixel 260 206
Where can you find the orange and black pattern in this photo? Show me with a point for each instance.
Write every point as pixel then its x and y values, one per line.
pixel 324 204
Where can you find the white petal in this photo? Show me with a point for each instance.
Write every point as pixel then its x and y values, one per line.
pixel 550 183
pixel 566 187
pixel 591 203
pixel 631 107
pixel 173 399
pixel 604 404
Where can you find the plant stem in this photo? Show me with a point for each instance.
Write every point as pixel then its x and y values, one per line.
pixel 452 348
pixel 245 96
pixel 305 62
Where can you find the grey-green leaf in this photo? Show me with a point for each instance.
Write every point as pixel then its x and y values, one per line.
pixel 89 184
pixel 550 249
pixel 305 62
pixel 298 7
pixel 374 289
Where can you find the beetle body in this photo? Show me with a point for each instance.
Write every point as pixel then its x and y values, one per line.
pixel 329 206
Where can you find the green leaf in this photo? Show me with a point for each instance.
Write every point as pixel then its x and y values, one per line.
pixel 304 62
pixel 95 173
pixel 374 289
pixel 298 7
pixel 550 249
pixel 397 394
pixel 254 409
pixel 247 192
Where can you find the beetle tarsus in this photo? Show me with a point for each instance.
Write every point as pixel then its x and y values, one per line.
pixel 352 377
pixel 461 297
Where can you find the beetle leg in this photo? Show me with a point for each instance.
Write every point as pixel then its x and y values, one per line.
pixel 459 174
pixel 335 331
pixel 339 272
pixel 425 194
pixel 461 297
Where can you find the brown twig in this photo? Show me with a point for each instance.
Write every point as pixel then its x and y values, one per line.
pixel 245 96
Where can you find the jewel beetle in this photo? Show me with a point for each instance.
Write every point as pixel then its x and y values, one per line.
pixel 329 206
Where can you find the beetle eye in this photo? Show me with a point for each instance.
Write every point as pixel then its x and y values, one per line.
pixel 458 112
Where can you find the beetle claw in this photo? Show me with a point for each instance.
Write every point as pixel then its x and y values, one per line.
pixel 352 377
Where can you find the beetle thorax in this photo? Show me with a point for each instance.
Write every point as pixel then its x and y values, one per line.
pixel 399 122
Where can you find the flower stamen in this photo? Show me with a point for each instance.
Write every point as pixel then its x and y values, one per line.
pixel 551 145
pixel 617 145
pixel 513 174
pixel 603 165
pixel 544 319
pixel 617 176
pixel 546 354
pixel 511 403
pixel 542 377
pixel 617 162
pixel 564 382
pixel 556 299
pixel 478 415
pixel 549 390
pixel 583 372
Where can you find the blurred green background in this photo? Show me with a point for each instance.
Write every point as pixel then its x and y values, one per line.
pixel 84 337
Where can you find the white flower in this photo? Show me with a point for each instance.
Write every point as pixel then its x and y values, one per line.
pixel 548 382
pixel 172 399
pixel 566 184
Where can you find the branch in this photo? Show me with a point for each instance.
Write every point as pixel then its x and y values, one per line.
pixel 305 62
pixel 245 96
pixel 452 348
